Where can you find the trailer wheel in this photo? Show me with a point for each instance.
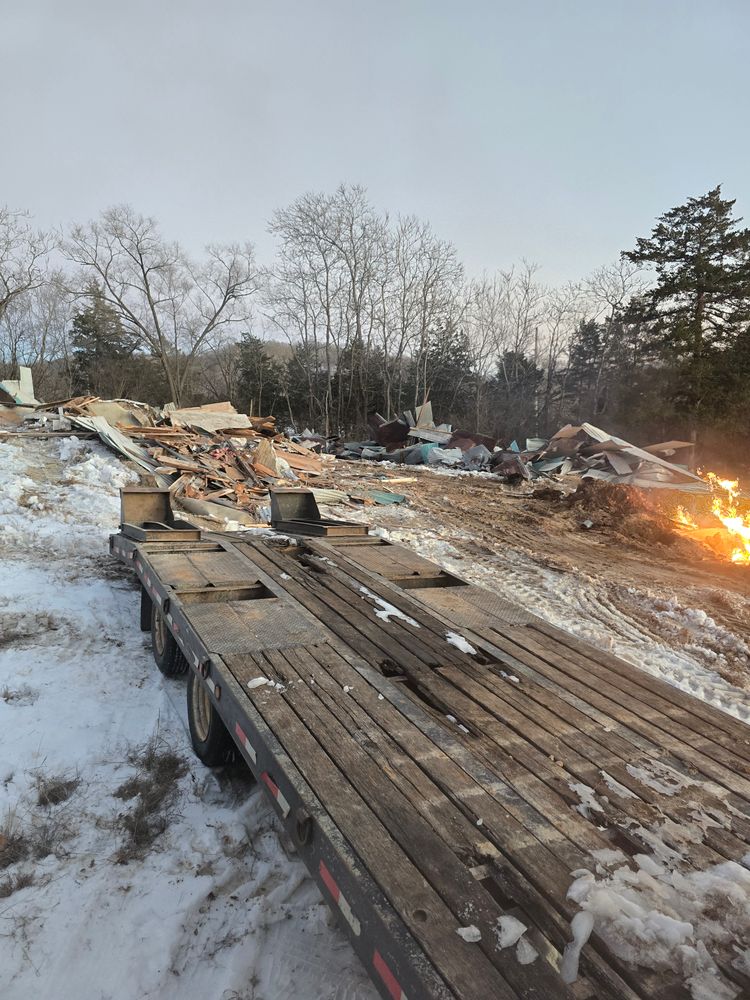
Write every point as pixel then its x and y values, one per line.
pixel 212 743
pixel 168 655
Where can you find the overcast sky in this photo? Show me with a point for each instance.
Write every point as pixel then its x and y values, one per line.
pixel 551 130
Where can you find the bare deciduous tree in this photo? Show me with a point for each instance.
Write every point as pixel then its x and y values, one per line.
pixel 23 250
pixel 34 332
pixel 565 308
pixel 172 305
pixel 609 288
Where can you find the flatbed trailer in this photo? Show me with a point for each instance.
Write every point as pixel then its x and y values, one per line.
pixel 440 758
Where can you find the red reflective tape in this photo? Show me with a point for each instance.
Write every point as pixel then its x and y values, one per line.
pixel 276 792
pixel 175 626
pixel 329 881
pixel 273 787
pixel 238 730
pixel 391 983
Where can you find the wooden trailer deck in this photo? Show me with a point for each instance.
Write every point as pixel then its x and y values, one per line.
pixel 456 757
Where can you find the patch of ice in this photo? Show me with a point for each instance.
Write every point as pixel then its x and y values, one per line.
pixel 609 856
pixel 386 611
pixel 508 930
pixel 526 953
pixel 471 933
pixel 586 794
pixel 614 786
pixel 660 777
pixel 661 918
pixel 460 643
pixel 581 925
pixel 69 447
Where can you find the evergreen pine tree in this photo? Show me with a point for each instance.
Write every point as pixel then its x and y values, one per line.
pixel 260 377
pixel 101 348
pixel 699 305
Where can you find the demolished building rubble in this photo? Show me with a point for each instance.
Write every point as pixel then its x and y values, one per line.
pixel 220 463
pixel 583 450
pixel 217 462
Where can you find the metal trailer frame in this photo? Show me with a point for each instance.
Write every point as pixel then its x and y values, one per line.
pixel 394 960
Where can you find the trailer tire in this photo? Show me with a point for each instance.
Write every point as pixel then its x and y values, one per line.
pixel 167 654
pixel 146 606
pixel 212 743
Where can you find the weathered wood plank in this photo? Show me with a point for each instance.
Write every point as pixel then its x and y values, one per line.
pixel 697 752
pixel 732 733
pixel 423 910
pixel 584 761
pixel 399 812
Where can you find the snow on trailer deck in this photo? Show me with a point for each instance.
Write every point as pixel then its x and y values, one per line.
pixel 479 795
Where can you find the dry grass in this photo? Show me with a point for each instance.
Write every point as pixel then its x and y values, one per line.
pixel 14 844
pixel 46 826
pixel 19 628
pixel 13 883
pixel 51 791
pixel 152 789
pixel 50 833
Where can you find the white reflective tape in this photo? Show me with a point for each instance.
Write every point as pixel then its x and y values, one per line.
pixel 346 910
pixel 246 744
pixel 283 804
pixel 276 793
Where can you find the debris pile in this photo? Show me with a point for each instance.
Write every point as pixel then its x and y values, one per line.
pixel 582 450
pixel 217 462
pixel 20 391
pixel 415 439
pixel 619 509
pixel 594 454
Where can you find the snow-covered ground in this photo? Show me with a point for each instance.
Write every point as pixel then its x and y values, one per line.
pixel 211 908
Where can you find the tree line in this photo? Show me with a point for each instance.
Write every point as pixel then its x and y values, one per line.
pixel 362 312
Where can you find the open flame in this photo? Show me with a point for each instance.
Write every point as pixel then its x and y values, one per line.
pixel 734 539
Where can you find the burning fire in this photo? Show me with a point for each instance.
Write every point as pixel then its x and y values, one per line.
pixel 734 539
pixel 682 518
